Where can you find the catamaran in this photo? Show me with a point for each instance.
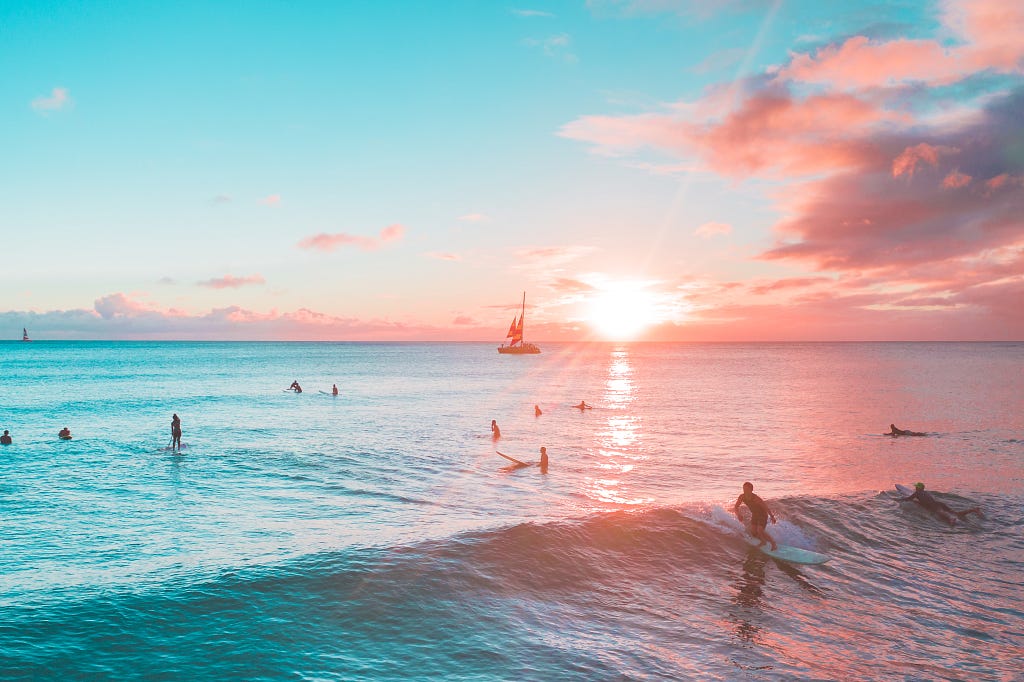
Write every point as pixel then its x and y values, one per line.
pixel 517 346
pixel 24 335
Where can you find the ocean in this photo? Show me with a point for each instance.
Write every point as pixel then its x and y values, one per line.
pixel 377 535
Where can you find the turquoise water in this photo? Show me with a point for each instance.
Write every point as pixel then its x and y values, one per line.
pixel 377 534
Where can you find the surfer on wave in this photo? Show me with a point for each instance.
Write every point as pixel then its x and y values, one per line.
pixel 759 514
pixel 925 499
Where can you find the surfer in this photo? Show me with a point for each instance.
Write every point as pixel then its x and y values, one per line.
pixel 6 438
pixel 495 431
pixel 536 411
pixel 583 405
pixel 175 432
pixel 893 431
pixel 759 514
pixel 64 434
pixel 295 387
pixel 334 389
pixel 543 460
pixel 925 499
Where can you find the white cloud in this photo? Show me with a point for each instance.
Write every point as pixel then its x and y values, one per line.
pixel 58 99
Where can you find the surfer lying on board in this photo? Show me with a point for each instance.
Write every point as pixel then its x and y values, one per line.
pixel 893 431
pixel 295 387
pixel 759 514
pixel 925 499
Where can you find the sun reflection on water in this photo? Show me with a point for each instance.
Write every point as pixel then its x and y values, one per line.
pixel 619 443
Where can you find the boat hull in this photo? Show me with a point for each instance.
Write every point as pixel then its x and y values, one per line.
pixel 525 349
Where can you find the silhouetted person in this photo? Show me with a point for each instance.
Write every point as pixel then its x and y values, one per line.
pixel 495 431
pixel 543 460
pixel 536 411
pixel 893 431
pixel 175 432
pixel 6 438
pixel 64 434
pixel 583 405
pixel 925 499
pixel 759 514
pixel 334 389
pixel 295 387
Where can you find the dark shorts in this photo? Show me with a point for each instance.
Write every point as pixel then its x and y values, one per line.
pixel 759 520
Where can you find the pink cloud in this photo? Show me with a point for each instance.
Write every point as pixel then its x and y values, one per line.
pixel 955 180
pixel 271 200
pixel 906 163
pixel 232 282
pixel 330 242
pixel 443 256
pixel 712 229
pixel 119 305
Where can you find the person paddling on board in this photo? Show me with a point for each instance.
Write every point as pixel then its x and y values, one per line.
pixel 925 499
pixel 334 389
pixel 495 431
pixel 175 432
pixel 759 514
pixel 295 387
pixel 543 460
pixel 583 405
pixel 893 431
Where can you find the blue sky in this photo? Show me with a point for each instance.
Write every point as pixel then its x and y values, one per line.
pixel 165 162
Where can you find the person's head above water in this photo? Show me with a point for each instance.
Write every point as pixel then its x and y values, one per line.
pixel 748 487
pixel 919 485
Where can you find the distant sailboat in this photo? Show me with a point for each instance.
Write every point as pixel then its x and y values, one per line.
pixel 515 332
pixel 24 335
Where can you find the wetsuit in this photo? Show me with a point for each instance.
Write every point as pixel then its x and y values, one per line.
pixel 758 509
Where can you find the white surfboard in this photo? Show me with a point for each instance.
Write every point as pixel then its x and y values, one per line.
pixel 793 555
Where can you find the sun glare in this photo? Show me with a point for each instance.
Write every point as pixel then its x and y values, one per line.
pixel 622 311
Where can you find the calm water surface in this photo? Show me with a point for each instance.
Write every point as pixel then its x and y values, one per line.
pixel 377 535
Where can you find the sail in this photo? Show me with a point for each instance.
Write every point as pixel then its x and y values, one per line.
pixel 511 329
pixel 516 332
pixel 24 334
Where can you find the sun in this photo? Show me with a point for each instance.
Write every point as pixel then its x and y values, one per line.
pixel 621 311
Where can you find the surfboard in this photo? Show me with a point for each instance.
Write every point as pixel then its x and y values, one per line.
pixel 793 555
pixel 333 395
pixel 513 459
pixel 907 491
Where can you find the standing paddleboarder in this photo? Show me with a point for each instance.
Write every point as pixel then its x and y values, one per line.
pixel 175 432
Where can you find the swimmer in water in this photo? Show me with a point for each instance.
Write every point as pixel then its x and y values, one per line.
pixel 495 431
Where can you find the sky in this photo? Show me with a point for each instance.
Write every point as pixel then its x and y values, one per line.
pixel 666 170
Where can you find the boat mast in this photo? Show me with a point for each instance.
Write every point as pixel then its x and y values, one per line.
pixel 522 316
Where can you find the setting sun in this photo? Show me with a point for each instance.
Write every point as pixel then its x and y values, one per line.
pixel 622 311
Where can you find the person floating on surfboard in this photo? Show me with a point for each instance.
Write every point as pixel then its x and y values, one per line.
pixel 925 499
pixel 495 431
pixel 175 432
pixel 64 434
pixel 893 431
pixel 295 387
pixel 759 514
pixel 583 405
